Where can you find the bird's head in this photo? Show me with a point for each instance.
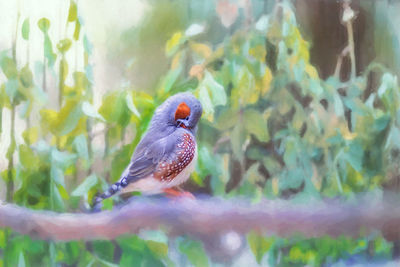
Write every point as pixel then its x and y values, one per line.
pixel 182 110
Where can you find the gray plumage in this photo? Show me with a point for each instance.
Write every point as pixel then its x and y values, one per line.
pixel 160 142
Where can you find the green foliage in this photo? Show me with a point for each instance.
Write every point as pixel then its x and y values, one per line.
pixel 271 128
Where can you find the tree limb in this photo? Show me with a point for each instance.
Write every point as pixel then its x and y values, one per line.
pixel 211 216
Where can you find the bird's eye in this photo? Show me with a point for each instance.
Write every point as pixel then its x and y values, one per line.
pixel 187 118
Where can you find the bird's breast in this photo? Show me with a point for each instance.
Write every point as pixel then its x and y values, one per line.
pixel 183 155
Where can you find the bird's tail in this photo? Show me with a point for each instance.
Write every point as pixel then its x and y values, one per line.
pixel 112 190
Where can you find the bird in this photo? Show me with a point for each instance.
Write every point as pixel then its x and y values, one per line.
pixel 166 155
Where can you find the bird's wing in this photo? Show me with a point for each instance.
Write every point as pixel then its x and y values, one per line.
pixel 145 162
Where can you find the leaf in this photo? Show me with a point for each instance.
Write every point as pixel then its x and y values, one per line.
pixel 68 117
pixel 57 199
pixel 266 81
pixel 9 67
pixel 195 252
pixel 64 45
pixel 85 186
pixel 72 12
pixel 90 111
pixel 87 45
pixel 255 124
pixel 245 91
pixel 238 137
pixel 63 72
pixel 262 23
pixel 218 95
pixel 259 245
pixel 44 25
pixel 206 102
pixel 171 78
pixel 354 155
pixel 12 89
pixel 28 158
pixel 173 43
pixel 77 30
pixel 26 77
pixel 21 260
pixel 57 175
pixel 62 159
pixel 338 105
pixel 81 146
pixel 131 105
pixel 48 51
pixel 25 29
pixel 158 248
pixel 194 29
pixel 202 50
pixel 31 135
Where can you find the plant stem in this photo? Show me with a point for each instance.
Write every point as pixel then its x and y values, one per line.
pixel 348 17
pixel 44 73
pixel 89 143
pixel 10 178
pixel 350 35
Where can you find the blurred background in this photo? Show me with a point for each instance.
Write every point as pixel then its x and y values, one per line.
pixel 301 102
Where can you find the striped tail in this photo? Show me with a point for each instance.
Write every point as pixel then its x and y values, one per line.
pixel 112 190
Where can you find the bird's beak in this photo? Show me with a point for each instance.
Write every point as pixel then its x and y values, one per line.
pixel 183 124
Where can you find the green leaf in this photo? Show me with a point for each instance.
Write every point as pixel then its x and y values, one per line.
pixel 227 119
pixel 87 45
pixel 44 25
pixel 57 175
pixel 255 124
pixel 158 248
pixel 171 78
pixel 12 89
pixel 85 186
pixel 195 252
pixel 338 105
pixel 131 105
pixel 81 147
pixel 90 111
pixel 238 137
pixel 9 67
pixel 354 155
pixel 48 51
pixel 218 95
pixel 28 158
pixel 21 260
pixel 64 45
pixel 57 199
pixel 77 30
pixel 25 29
pixel 26 77
pixel 245 90
pixel 173 44
pixel 68 118
pixel 103 249
pixel 206 102
pixel 73 12
pixel 62 159
pixel 259 245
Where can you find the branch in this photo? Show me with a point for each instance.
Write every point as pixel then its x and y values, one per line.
pixel 210 217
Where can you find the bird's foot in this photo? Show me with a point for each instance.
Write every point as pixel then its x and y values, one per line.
pixel 173 193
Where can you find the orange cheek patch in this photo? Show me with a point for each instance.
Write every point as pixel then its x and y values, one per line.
pixel 182 111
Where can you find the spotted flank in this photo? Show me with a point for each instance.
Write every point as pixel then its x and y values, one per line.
pixel 167 171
